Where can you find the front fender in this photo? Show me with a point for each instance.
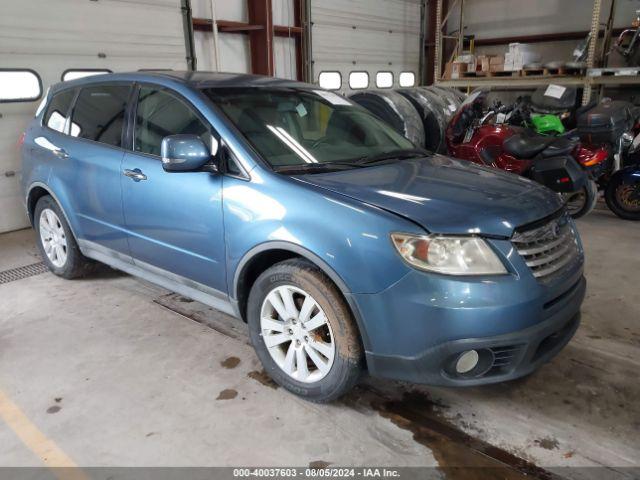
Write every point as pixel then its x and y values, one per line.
pixel 629 175
pixel 348 239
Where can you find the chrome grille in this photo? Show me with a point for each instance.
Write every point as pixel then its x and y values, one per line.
pixel 549 249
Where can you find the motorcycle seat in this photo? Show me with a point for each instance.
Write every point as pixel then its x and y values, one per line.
pixel 526 146
pixel 559 146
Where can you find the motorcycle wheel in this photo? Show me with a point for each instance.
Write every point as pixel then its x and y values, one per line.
pixel 583 201
pixel 620 199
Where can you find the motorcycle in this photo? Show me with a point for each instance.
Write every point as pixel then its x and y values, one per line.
pixel 609 129
pixel 483 135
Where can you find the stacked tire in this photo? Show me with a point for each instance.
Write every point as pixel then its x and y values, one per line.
pixel 421 113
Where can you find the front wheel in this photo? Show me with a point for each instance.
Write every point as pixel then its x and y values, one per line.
pixel 623 198
pixel 303 331
pixel 583 201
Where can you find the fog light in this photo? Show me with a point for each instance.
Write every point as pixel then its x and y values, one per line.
pixel 467 361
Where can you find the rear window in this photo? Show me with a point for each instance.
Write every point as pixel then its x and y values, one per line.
pixel 99 114
pixel 58 110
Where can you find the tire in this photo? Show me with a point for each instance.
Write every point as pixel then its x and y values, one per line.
pixel 49 222
pixel 395 110
pixel 433 119
pixel 614 197
pixel 585 200
pixel 342 369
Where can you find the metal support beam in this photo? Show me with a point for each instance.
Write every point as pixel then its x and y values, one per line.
pixel 261 13
pixel 297 22
pixel 591 55
pixel 187 23
pixel 437 68
pixel 431 42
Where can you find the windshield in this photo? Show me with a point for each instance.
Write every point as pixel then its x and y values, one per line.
pixel 297 127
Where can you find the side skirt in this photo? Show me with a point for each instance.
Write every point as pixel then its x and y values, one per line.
pixel 197 291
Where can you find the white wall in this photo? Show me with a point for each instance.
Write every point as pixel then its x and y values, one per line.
pixel 386 37
pixel 51 36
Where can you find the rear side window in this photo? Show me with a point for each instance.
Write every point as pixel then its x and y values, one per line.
pixel 99 114
pixel 58 110
pixel 160 114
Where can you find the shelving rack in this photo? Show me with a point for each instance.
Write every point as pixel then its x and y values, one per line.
pixel 587 81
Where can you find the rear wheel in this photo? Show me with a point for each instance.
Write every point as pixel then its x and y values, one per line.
pixel 302 331
pixel 56 243
pixel 583 201
pixel 623 198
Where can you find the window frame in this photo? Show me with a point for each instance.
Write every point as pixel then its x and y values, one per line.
pixel 112 83
pixel 72 105
pixel 105 70
pixel 132 113
pixel 415 81
pixel 24 100
pixel 368 79
pixel 393 79
pixel 331 71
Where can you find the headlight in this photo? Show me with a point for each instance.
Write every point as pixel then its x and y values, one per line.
pixel 448 255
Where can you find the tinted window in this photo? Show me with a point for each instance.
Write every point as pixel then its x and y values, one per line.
pixel 99 114
pixel 160 114
pixel 58 109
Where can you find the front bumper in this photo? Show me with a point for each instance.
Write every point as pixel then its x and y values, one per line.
pixel 418 328
pixel 508 356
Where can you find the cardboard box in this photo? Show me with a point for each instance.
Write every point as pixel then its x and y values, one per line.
pixel 485 62
pixel 496 67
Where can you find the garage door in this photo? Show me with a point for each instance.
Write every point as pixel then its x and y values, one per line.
pixel 115 35
pixel 365 43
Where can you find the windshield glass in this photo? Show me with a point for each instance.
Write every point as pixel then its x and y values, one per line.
pixel 296 127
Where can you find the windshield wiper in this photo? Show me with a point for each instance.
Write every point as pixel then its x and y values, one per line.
pixel 316 167
pixel 393 155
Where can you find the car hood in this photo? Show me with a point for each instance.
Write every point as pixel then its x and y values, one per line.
pixel 444 195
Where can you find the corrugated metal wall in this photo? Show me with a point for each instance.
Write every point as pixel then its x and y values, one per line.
pixel 365 35
pixel 51 36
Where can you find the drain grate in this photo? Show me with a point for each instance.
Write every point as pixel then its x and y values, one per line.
pixel 22 272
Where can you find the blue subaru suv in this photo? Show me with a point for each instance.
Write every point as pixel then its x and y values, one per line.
pixel 341 245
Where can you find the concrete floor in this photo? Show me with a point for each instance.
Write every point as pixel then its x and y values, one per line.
pixel 112 371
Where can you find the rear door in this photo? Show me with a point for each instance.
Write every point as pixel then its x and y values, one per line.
pixel 94 165
pixel 174 219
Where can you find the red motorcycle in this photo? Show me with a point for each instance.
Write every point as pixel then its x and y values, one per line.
pixel 481 135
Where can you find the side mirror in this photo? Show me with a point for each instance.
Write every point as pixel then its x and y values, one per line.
pixel 182 153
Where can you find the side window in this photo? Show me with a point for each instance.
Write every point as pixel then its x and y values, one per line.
pixel 58 110
pixel 159 114
pixel 99 114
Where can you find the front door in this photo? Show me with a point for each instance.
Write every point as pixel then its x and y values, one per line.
pixel 174 220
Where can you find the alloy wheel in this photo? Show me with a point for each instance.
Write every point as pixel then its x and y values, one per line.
pixel 53 238
pixel 297 334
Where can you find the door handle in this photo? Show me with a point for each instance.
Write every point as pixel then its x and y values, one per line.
pixel 136 174
pixel 61 153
